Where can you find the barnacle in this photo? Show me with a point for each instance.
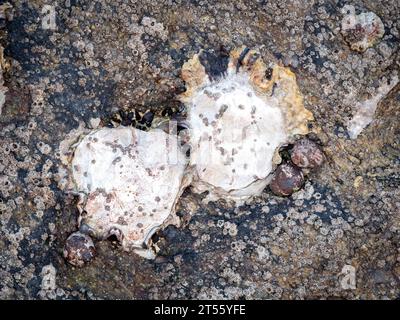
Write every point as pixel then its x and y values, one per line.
pixel 238 121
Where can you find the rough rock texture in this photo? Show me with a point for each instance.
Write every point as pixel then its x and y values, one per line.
pixel 92 58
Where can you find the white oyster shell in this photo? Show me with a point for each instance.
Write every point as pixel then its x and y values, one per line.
pixel 234 135
pixel 130 181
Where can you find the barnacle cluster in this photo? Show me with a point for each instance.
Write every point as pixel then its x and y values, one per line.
pixel 5 13
pixel 239 113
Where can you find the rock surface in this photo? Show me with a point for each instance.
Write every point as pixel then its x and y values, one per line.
pixel 79 61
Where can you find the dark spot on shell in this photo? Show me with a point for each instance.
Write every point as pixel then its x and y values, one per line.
pixel 221 111
pixel 116 160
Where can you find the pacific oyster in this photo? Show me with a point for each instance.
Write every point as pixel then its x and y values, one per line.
pixel 238 121
pixel 361 31
pixel 129 180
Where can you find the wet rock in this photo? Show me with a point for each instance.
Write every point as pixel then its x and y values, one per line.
pixel 3 89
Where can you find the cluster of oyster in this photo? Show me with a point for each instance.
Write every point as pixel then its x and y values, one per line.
pixel 238 118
